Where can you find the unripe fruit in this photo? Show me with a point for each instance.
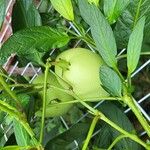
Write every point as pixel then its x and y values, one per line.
pixel 53 96
pixel 82 73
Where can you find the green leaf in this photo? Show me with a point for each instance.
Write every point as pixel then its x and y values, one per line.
pixel 8 108
pixel 66 139
pixel 16 147
pixel 24 99
pixel 32 43
pixel 96 2
pixel 103 37
pixel 85 11
pixel 127 21
pixel 134 45
pixel 101 32
pixel 64 7
pixel 22 137
pixel 28 15
pixel 110 81
pixel 113 9
pixel 117 116
pixel 2 11
pixel 15 114
pixel 104 139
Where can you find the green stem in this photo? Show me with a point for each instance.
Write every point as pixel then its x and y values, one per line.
pixel 22 147
pixel 116 141
pixel 92 99
pixel 92 127
pixel 129 82
pixel 94 111
pixel 19 117
pixel 102 117
pixel 11 110
pixel 125 55
pixel 7 77
pixel 83 36
pixel 86 40
pixel 26 85
pixel 65 82
pixel 78 28
pixel 11 93
pixel 137 13
pixel 130 102
pixel 118 72
pixel 84 100
pixel 70 31
pixel 131 136
pixel 40 85
pixel 44 103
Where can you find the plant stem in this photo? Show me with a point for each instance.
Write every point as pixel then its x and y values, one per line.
pixel 7 77
pixel 26 85
pixel 44 103
pixel 102 117
pixel 94 111
pixel 83 36
pixel 12 94
pixel 130 102
pixel 92 127
pixel 125 55
pixel 129 81
pixel 120 75
pixel 70 31
pixel 65 82
pixel 19 117
pixel 13 111
pixel 84 100
pixel 116 141
pixel 131 136
pixel 78 28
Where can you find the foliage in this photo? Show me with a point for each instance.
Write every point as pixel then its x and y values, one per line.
pixel 112 26
pixel 135 10
pixel 2 11
pixel 108 134
pixel 28 15
pixel 32 43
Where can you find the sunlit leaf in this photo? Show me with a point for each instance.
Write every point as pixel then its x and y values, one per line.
pixel 134 45
pixel 113 9
pixel 64 7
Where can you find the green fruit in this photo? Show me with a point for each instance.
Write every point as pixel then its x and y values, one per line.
pixel 82 73
pixel 53 96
